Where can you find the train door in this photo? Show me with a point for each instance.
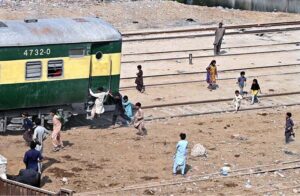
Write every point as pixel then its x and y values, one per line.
pixel 100 68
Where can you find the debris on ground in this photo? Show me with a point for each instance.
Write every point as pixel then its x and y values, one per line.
pixel 248 184
pixel 149 192
pixel 199 151
pixel 277 173
pixel 289 152
pixel 238 137
pixel 64 180
pixel 225 169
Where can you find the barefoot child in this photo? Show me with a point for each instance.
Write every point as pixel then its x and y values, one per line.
pixel 237 100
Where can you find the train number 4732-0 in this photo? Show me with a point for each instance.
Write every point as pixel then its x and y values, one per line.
pixel 37 52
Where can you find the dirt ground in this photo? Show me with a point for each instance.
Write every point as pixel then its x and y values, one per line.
pixel 96 159
pixel 101 159
pixel 136 15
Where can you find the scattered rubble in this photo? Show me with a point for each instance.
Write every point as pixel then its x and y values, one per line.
pixel 199 151
pixel 239 137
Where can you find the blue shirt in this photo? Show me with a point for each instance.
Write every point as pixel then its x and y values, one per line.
pixel 128 109
pixel 27 124
pixel 242 80
pixel 31 159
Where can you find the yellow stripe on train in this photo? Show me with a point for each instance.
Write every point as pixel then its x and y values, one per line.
pixel 73 68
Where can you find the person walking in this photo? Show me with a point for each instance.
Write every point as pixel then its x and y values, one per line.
pixel 289 127
pixel 180 155
pixel 241 81
pixel 119 110
pixel 56 135
pixel 211 76
pixel 98 107
pixel 39 135
pixel 255 89
pixel 237 100
pixel 138 122
pixel 139 81
pixel 219 34
pixel 28 127
pixel 128 107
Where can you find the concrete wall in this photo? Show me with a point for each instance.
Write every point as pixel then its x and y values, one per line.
pixel 259 5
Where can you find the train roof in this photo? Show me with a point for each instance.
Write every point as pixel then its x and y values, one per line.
pixel 56 31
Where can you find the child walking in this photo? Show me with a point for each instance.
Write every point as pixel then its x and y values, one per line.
pixel 241 81
pixel 237 100
pixel 255 89
pixel 289 127
pixel 138 122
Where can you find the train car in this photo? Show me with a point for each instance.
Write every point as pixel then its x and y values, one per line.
pixel 53 62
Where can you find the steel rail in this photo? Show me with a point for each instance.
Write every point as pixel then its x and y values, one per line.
pixel 198 81
pixel 207 56
pixel 197 179
pixel 219 71
pixel 212 28
pixel 208 49
pixel 213 100
pixel 212 34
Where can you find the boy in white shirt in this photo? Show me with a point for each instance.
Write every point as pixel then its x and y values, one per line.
pixel 237 100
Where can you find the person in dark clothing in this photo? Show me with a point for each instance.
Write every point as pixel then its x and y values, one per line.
pixel 255 89
pixel 119 109
pixel 28 126
pixel 289 125
pixel 32 157
pixel 29 177
pixel 220 32
pixel 139 81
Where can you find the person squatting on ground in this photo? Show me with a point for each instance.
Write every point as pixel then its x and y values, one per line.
pixel 211 76
pixel 139 81
pixel 98 107
pixel 119 110
pixel 255 89
pixel 128 107
pixel 237 100
pixel 28 126
pixel 139 120
pixel 241 81
pixel 40 134
pixel 180 155
pixel 219 33
pixel 56 135
pixel 289 128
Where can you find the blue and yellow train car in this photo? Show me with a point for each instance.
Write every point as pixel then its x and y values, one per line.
pixel 52 62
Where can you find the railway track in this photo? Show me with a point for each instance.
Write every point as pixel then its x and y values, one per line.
pixel 204 107
pixel 209 49
pixel 122 88
pixel 259 169
pixel 240 32
pixel 219 71
pixel 206 56
pixel 127 34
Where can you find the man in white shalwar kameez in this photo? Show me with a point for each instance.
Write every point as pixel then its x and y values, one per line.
pixel 98 107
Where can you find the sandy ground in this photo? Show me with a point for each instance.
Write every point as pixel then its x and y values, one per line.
pixel 101 159
pixel 136 15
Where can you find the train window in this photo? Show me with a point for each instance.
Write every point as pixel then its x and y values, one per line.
pixel 99 55
pixel 75 53
pixel 55 68
pixel 33 70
